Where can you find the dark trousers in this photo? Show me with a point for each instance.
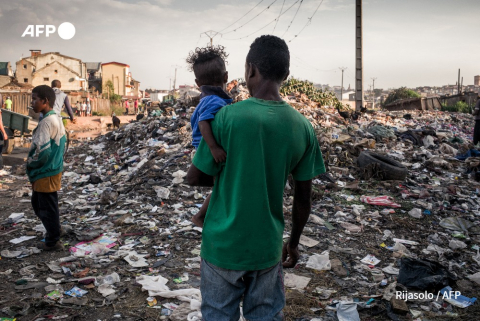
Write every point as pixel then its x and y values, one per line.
pixel 45 206
pixel 476 132
pixel 1 148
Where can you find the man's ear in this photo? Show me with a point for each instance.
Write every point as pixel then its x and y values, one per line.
pixel 252 70
pixel 286 76
pixel 225 77
pixel 198 83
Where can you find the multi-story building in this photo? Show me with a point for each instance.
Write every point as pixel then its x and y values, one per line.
pixel 121 77
pixel 41 69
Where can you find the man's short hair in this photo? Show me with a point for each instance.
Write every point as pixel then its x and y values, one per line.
pixel 208 64
pixel 56 83
pixel 271 56
pixel 45 92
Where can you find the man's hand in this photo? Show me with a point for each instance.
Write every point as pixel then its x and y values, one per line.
pixel 219 154
pixel 74 121
pixel 33 186
pixel 198 220
pixel 290 255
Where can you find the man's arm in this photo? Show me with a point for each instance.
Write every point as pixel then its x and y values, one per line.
pixel 302 205
pixel 196 177
pixel 68 107
pixel 477 108
pixel 206 130
pixel 2 129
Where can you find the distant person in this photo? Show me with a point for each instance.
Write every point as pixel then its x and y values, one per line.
pixel 89 109
pixel 84 108
pixel 61 99
pixel 3 138
pixel 45 165
pixel 476 131
pixel 265 140
pixel 126 107
pixel 135 106
pixel 8 104
pixel 78 108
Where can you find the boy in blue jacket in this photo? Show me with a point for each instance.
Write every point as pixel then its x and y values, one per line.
pixel 45 165
pixel 211 76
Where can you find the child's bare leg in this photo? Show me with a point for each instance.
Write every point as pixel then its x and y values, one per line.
pixel 198 218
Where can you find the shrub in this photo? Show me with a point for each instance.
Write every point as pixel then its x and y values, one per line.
pixel 400 93
pixel 459 107
pixel 324 98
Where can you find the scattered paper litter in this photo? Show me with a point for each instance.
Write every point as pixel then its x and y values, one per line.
pixel 308 242
pixel 21 239
pixel 296 281
pixel 370 260
pixel 319 262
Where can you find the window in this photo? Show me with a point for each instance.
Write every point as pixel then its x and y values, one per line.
pixel 46 79
pixel 56 71
pixel 24 66
pixel 25 80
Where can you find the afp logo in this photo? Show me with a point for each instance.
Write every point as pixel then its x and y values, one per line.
pixel 66 30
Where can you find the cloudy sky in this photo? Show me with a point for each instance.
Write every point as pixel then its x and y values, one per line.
pixel 406 43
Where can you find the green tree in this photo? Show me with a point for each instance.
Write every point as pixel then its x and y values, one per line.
pixel 109 89
pixel 401 93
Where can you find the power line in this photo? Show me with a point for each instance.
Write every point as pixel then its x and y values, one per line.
pixel 263 26
pixel 234 30
pixel 298 9
pixel 309 21
pixel 278 18
pixel 242 16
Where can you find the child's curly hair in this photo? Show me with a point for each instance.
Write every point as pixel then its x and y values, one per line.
pixel 202 55
pixel 208 64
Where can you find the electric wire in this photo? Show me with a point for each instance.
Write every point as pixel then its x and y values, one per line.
pixel 264 25
pixel 268 7
pixel 278 18
pixel 309 21
pixel 242 16
pixel 298 9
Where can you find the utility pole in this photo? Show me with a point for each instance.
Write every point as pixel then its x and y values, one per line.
pixel 373 101
pixel 211 34
pixel 341 88
pixel 458 82
pixel 175 78
pixel 358 56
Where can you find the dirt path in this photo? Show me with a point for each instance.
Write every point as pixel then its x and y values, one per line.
pixel 91 127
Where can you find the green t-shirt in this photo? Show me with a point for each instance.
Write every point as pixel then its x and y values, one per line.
pixel 8 104
pixel 265 141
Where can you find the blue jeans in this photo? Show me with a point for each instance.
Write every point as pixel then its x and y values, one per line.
pixel 222 290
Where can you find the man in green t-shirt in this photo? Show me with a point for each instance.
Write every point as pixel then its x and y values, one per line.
pixel 265 140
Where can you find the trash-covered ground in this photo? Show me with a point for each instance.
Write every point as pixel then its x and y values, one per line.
pixel 397 211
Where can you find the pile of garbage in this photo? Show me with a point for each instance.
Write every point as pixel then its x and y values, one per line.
pixel 394 230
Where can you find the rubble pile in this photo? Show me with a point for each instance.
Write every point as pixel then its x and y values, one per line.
pixel 375 247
